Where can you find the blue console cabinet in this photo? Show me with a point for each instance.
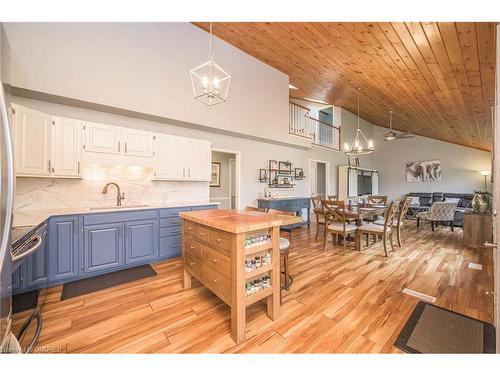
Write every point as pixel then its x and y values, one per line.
pixel 80 246
pixel 294 204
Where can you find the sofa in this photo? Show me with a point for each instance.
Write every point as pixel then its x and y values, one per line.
pixel 423 201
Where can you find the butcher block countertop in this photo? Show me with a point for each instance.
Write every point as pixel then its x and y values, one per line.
pixel 238 221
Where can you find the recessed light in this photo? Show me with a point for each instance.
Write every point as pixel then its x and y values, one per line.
pixel 292 87
pixel 316 101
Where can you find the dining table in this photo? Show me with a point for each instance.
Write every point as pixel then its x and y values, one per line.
pixel 362 211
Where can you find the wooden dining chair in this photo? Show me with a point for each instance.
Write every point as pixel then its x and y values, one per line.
pixel 377 199
pixel 399 220
pixel 336 222
pixel 285 245
pixel 257 209
pixel 318 212
pixel 385 231
pixel 333 197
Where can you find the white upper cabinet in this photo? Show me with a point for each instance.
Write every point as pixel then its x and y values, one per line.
pixel 103 139
pixel 137 143
pixel 32 142
pixel 67 149
pixel 182 159
pixel 170 161
pixel 198 159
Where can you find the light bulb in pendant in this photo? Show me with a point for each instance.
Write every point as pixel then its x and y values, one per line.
pixel 370 144
pixel 347 147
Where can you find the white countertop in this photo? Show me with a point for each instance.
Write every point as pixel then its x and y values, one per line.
pixel 34 217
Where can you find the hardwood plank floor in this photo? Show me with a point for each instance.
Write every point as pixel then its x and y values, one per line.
pixel 338 303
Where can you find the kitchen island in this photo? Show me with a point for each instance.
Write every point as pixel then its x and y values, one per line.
pixel 236 255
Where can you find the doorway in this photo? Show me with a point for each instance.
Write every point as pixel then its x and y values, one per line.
pixel 319 177
pixel 225 188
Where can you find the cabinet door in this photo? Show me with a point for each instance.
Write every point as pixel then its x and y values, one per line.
pixel 67 146
pixel 18 279
pixel 198 156
pixel 170 246
pixel 141 241
pixel 32 142
pixel 37 266
pixel 137 143
pixel 170 158
pixel 63 248
pixel 102 138
pixel 102 247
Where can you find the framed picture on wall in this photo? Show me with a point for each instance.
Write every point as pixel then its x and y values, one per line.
pixel 215 175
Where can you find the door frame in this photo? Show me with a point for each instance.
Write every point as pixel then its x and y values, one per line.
pixel 237 155
pixel 231 160
pixel 327 175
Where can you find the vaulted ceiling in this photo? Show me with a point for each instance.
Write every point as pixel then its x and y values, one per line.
pixel 439 78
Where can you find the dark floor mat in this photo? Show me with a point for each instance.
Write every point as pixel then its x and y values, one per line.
pixel 433 329
pixel 24 301
pixel 93 284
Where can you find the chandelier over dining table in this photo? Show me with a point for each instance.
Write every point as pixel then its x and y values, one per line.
pixel 360 144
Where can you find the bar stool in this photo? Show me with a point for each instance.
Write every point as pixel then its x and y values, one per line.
pixel 285 245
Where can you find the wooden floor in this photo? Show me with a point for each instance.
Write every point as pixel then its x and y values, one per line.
pixel 338 304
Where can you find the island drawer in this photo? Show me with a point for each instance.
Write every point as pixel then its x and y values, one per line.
pixel 194 249
pixel 219 262
pixel 193 265
pixel 220 240
pixel 190 227
pixel 217 282
pixel 202 233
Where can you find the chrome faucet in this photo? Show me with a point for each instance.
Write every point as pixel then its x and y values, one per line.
pixel 119 195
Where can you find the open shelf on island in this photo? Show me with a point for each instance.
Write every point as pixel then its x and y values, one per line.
pixel 252 298
pixel 258 249
pixel 258 271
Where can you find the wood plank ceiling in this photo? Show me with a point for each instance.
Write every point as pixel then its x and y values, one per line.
pixel 439 78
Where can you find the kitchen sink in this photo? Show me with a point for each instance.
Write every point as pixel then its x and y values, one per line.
pixel 117 207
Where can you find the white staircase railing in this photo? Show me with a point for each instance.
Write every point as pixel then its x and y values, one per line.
pixel 320 133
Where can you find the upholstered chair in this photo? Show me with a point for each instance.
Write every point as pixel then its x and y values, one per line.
pixel 439 212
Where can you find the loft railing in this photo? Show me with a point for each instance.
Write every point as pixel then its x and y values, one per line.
pixel 320 133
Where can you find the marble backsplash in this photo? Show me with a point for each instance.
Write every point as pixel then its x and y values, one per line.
pixel 135 182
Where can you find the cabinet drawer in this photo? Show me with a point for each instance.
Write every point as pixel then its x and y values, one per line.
pixel 190 228
pixel 170 246
pixel 202 233
pixel 217 282
pixel 170 231
pixel 172 212
pixel 194 249
pixel 193 265
pixel 171 221
pixel 218 261
pixel 220 240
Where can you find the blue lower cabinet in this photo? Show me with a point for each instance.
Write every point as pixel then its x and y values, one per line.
pixel 63 248
pixel 170 247
pixel 37 272
pixel 102 247
pixel 141 241
pixel 18 280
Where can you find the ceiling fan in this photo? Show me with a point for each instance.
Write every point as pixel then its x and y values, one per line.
pixel 391 136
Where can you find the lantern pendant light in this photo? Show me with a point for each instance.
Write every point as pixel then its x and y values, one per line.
pixel 210 82
pixel 360 145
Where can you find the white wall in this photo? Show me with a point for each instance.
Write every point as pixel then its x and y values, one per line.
pixel 460 165
pixel 222 193
pixel 144 67
pixel 254 155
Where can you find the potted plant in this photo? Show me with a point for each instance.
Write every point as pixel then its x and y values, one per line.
pixel 482 202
